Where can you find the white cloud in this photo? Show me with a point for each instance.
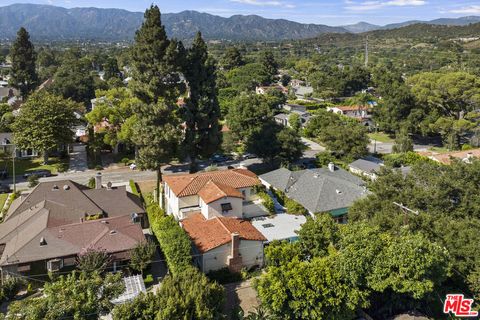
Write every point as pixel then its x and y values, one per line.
pixel 268 3
pixel 373 5
pixel 467 10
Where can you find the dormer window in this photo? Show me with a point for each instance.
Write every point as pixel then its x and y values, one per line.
pixel 226 207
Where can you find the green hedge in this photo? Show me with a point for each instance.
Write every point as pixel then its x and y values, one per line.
pixel 267 200
pixel 134 188
pixel 292 206
pixel 174 242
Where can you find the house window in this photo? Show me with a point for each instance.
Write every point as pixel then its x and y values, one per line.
pixel 226 207
pixel 244 194
pixel 67 262
pixel 54 265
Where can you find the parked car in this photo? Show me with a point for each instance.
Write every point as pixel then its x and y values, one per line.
pixel 247 155
pixel 41 173
pixel 218 158
pixel 5 188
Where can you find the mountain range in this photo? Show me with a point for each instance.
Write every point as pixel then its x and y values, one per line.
pixel 46 22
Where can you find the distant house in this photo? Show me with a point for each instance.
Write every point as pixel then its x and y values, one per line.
pixel 446 158
pixel 303 92
pixel 282 227
pixel 361 113
pixel 367 166
pixel 297 83
pixel 7 146
pixel 283 118
pixel 222 193
pixel 265 89
pixel 294 107
pixel 45 230
pixel 330 189
pixel 222 242
pixel 7 93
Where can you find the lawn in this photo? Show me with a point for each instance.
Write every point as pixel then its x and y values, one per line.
pixel 3 198
pixel 381 137
pixel 55 165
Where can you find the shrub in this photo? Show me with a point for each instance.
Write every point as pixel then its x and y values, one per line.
pixel 125 161
pixel 91 183
pixel 267 201
pixel 32 180
pixel 10 287
pixel 174 242
pixel 293 207
pixel 98 167
pixel 224 276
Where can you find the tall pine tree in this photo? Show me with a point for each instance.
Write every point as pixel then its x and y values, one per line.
pixel 23 74
pixel 156 82
pixel 202 110
pixel 269 66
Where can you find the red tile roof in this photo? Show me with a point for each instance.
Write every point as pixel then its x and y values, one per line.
pixel 213 233
pixel 191 184
pixel 446 158
pixel 213 191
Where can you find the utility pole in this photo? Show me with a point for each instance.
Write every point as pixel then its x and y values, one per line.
pixel 405 211
pixel 13 171
pixel 366 53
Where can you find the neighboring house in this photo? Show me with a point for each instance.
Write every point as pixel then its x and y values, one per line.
pixel 7 146
pixel 330 189
pixel 282 227
pixel 446 158
pixel 303 92
pixel 283 118
pixel 265 89
pixel 367 166
pixel 224 243
pixel 48 228
pixel 361 113
pixel 294 107
pixel 296 83
pixel 222 193
pixel 7 93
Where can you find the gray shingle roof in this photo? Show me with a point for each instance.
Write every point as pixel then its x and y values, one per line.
pixel 370 165
pixel 318 190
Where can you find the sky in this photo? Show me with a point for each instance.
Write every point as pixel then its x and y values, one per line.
pixel 328 12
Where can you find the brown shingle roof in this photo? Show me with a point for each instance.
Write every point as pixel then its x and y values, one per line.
pixel 213 191
pixel 191 184
pixel 210 234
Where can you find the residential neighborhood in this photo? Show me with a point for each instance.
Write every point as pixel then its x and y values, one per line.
pixel 248 161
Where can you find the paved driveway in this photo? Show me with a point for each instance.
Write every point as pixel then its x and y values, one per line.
pixel 78 158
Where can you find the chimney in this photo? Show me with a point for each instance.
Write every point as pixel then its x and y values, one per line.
pixel 234 259
pixel 98 180
pixel 331 167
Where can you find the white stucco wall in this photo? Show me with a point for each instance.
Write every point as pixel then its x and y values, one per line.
pixel 214 209
pixel 251 252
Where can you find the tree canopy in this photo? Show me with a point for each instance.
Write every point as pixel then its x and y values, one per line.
pixel 23 73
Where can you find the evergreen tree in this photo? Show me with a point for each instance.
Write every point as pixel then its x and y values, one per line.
pixel 202 108
pixel 23 75
pixel 232 59
pixel 269 66
pixel 156 62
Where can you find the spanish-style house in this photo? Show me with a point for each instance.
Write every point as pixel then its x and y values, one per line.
pixel 330 189
pixel 47 229
pixel 361 113
pixel 222 193
pixel 466 156
pixel 224 243
pixel 210 207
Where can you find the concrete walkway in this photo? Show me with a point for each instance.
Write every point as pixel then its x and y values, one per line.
pixel 78 158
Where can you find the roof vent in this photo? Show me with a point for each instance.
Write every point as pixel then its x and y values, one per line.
pixel 43 242
pixel 55 187
pixel 104 222
pixel 66 187
pixel 338 191
pixel 112 232
pixel 109 185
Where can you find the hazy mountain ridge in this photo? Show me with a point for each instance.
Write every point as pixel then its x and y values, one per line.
pixel 46 22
